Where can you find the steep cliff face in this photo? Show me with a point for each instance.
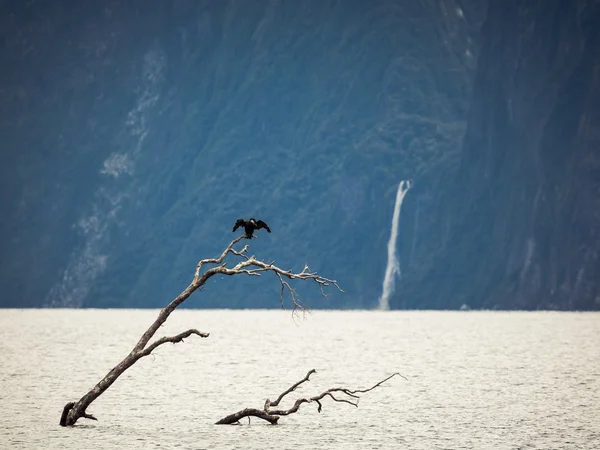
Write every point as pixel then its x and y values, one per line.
pixel 133 137
pixel 520 225
pixel 137 135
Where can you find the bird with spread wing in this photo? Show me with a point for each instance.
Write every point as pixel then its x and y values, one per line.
pixel 250 226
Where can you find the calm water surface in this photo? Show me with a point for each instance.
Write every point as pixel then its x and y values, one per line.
pixel 475 379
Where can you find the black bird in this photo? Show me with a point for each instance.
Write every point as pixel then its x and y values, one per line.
pixel 250 226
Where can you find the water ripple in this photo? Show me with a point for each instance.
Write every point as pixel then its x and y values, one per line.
pixel 475 379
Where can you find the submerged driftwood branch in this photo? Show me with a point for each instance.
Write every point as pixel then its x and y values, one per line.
pixel 273 415
pixel 73 411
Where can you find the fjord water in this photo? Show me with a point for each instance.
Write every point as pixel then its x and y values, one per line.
pixel 475 379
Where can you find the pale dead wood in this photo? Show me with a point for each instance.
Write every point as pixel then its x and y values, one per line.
pixel 253 267
pixel 273 415
pixel 249 265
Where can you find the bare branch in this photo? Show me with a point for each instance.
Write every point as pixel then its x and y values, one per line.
pixel 293 388
pixel 293 294
pixel 234 419
pixel 273 415
pixel 241 252
pixel 88 416
pixel 254 267
pixel 252 272
pixel 220 259
pixel 173 339
pixel 341 400
pixel 362 391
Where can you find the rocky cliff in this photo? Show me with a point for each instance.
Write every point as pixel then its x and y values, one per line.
pixel 519 226
pixel 135 136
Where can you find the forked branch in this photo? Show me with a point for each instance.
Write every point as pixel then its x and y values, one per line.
pixel 273 415
pixel 254 267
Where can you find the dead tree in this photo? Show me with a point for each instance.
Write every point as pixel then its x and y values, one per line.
pixel 249 265
pixel 273 415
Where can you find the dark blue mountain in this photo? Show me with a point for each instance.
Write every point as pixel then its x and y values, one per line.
pixel 135 133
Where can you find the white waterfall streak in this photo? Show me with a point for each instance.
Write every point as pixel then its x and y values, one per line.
pixel 393 265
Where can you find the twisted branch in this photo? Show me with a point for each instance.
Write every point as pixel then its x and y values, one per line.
pixel 273 415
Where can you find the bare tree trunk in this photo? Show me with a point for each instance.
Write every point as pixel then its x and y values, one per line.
pixel 272 415
pixel 73 411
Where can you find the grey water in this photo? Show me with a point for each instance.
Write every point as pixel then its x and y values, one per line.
pixel 501 380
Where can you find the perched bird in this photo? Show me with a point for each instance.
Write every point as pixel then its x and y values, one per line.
pixel 250 226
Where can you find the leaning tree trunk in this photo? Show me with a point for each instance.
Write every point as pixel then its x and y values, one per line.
pixel 272 415
pixel 73 411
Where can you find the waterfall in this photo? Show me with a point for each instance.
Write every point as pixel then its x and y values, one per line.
pixel 393 265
